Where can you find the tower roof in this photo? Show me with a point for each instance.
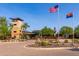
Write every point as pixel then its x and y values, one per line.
pixel 16 19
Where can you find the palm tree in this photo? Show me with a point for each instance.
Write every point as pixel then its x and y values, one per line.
pixel 25 26
pixel 10 28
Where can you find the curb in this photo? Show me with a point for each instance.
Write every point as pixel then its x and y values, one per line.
pixel 51 48
pixel 11 42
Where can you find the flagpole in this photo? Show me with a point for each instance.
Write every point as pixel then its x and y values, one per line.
pixel 53 10
pixel 58 19
pixel 73 38
pixel 73 32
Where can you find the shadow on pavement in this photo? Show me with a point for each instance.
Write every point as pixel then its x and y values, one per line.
pixel 74 49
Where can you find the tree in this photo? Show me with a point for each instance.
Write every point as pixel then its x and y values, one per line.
pixel 10 28
pixel 54 31
pixel 4 32
pixel 37 32
pixel 47 31
pixel 76 31
pixel 66 31
pixel 25 26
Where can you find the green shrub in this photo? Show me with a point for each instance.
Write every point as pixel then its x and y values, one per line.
pixel 44 43
pixel 66 41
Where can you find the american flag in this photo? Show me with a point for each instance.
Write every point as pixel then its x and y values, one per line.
pixel 53 9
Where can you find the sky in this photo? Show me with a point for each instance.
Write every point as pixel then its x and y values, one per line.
pixel 37 15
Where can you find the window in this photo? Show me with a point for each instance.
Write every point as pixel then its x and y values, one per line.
pixel 14 24
pixel 14 31
pixel 14 37
pixel 20 30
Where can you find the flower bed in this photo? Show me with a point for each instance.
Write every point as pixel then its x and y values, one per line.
pixel 51 43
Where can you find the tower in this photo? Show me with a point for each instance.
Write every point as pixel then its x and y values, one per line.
pixel 16 28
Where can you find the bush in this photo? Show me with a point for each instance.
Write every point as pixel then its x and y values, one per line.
pixel 57 41
pixel 66 41
pixel 51 41
pixel 76 41
pixel 38 42
pixel 44 43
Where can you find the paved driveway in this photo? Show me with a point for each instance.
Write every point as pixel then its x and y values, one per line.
pixel 18 49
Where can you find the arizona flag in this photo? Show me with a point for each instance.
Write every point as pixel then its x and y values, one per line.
pixel 69 15
pixel 53 9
